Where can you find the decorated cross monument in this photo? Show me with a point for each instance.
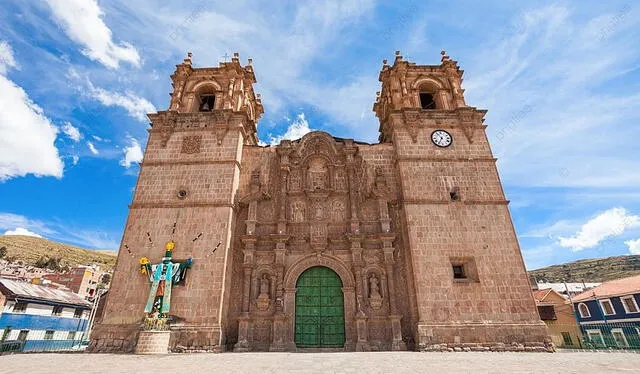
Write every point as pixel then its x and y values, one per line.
pixel 163 276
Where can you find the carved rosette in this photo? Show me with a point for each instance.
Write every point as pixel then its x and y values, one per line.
pixel 191 144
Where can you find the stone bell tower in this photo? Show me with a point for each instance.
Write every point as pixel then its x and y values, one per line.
pixel 467 271
pixel 188 180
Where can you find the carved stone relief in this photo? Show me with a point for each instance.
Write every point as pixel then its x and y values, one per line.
pixel 191 144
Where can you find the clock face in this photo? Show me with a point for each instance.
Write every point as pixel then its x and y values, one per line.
pixel 441 138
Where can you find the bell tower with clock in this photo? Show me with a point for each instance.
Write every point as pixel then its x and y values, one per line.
pixel 468 274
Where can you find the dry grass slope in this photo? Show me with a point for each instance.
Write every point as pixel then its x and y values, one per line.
pixel 591 270
pixel 29 249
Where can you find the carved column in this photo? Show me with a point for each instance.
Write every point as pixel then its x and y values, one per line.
pixel 350 152
pixel 284 150
pixel 397 344
pixel 362 342
pixel 244 320
pixel 279 332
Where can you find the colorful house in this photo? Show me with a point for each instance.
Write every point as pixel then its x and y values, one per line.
pixel 609 315
pixel 39 318
pixel 556 312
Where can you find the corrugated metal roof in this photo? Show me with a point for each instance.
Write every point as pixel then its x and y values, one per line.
pixel 33 291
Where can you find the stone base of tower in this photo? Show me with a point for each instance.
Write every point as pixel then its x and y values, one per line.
pixel 522 337
pixel 117 338
pixel 108 338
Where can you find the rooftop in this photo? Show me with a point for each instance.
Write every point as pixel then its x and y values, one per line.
pixel 17 289
pixel 616 287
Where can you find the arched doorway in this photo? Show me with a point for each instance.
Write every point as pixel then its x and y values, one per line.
pixel 319 309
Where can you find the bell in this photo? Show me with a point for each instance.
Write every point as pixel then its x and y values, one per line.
pixel 205 106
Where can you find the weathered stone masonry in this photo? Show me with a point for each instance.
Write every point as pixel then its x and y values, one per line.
pixel 419 235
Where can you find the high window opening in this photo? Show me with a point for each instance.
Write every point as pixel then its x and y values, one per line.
pixel 458 272
pixel 427 100
pixel 207 103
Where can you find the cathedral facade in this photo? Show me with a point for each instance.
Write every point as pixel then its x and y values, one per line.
pixel 324 242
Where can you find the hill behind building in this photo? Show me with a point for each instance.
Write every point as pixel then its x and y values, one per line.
pixel 36 251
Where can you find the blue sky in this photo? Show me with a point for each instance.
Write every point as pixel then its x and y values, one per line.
pixel 561 81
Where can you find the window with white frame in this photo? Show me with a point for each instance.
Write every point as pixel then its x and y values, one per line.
pixel 584 310
pixel 607 307
pixel 630 305
pixel 595 336
pixel 618 336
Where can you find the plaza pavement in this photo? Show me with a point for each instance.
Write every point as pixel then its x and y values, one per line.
pixel 299 363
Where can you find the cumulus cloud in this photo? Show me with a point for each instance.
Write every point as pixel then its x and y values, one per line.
pixel 27 134
pixel 634 246
pixel 132 154
pixel 296 130
pixel 22 231
pixel 82 21
pixel 612 222
pixel 136 106
pixel 92 148
pixel 71 131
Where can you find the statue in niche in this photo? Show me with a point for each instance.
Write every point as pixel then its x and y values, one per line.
pixel 317 175
pixel 294 181
pixel 318 212
pixel 375 299
pixel 264 299
pixel 298 212
pixel 337 211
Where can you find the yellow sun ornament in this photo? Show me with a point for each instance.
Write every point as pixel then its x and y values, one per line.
pixel 170 245
pixel 143 265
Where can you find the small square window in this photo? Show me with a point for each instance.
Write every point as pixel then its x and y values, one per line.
pixel 57 311
pixel 48 335
pixel 464 269
pixel 20 307
pixel 71 335
pixel 566 338
pixel 458 272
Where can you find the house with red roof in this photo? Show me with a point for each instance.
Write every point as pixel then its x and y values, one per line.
pixel 556 312
pixel 609 315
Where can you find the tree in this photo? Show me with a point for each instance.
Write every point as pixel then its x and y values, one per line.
pixel 106 278
pixel 3 251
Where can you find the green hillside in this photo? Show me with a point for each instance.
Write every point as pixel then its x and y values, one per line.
pixel 591 270
pixel 30 250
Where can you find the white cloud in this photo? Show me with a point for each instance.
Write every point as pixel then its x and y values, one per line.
pixel 97 138
pixel 136 106
pixel 71 131
pixel 6 57
pixel 610 223
pixel 27 134
pixel 21 231
pixel 132 153
pixel 75 159
pixel 61 231
pixel 296 130
pixel 92 148
pixel 634 246
pixel 82 21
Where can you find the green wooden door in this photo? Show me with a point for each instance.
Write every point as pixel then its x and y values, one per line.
pixel 319 309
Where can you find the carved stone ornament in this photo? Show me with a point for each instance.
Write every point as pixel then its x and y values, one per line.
pixel 375 299
pixel 264 299
pixel 191 144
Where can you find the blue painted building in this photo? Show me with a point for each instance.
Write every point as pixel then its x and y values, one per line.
pixel 609 315
pixel 41 318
